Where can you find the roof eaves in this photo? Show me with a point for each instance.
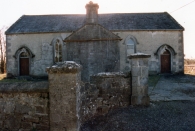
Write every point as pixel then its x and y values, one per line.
pixel 40 32
pixel 7 33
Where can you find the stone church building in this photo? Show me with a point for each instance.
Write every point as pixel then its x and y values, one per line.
pixel 99 42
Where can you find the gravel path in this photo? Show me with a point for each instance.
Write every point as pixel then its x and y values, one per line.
pixel 173 87
pixel 159 116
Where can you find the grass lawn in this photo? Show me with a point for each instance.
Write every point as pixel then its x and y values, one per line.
pixel 3 79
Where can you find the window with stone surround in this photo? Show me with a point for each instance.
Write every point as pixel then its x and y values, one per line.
pixel 130 43
pixel 58 51
pixel 58 47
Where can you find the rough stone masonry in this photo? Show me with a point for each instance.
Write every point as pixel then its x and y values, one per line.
pixel 64 82
pixel 24 106
pixel 139 72
pixel 73 102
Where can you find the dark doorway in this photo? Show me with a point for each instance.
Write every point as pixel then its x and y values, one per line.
pixel 166 62
pixel 24 64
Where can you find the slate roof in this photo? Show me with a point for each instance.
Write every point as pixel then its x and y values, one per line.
pixel 113 22
pixel 96 33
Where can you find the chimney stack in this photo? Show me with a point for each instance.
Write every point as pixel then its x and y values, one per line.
pixel 92 13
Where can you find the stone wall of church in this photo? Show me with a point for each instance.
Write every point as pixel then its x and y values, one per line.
pixel 148 42
pixel 95 57
pixel 39 44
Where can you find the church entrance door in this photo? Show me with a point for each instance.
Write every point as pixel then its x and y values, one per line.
pixel 166 62
pixel 24 64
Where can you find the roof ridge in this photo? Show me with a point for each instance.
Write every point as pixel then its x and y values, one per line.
pixel 54 15
pixel 135 13
pixel 98 14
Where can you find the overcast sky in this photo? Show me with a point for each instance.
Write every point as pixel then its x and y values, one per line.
pixel 182 10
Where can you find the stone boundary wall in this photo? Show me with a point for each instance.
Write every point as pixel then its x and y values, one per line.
pixel 24 106
pixel 105 92
pixel 65 102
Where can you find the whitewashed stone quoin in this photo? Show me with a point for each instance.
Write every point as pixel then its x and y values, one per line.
pixel 139 71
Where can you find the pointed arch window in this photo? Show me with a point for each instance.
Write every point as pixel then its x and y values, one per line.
pixel 58 51
pixel 130 47
pixel 130 43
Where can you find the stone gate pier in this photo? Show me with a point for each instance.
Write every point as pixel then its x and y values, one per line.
pixel 64 82
pixel 139 72
pixel 73 102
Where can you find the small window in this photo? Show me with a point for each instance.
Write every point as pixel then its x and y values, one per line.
pixel 130 47
pixel 58 51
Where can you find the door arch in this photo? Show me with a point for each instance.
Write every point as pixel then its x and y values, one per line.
pixel 165 55
pixel 24 63
pixel 23 57
pixel 165 61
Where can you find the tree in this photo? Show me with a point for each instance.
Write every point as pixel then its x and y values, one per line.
pixel 2 51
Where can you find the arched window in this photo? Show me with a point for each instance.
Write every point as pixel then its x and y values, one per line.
pixel 58 51
pixel 58 47
pixel 130 43
pixel 130 47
